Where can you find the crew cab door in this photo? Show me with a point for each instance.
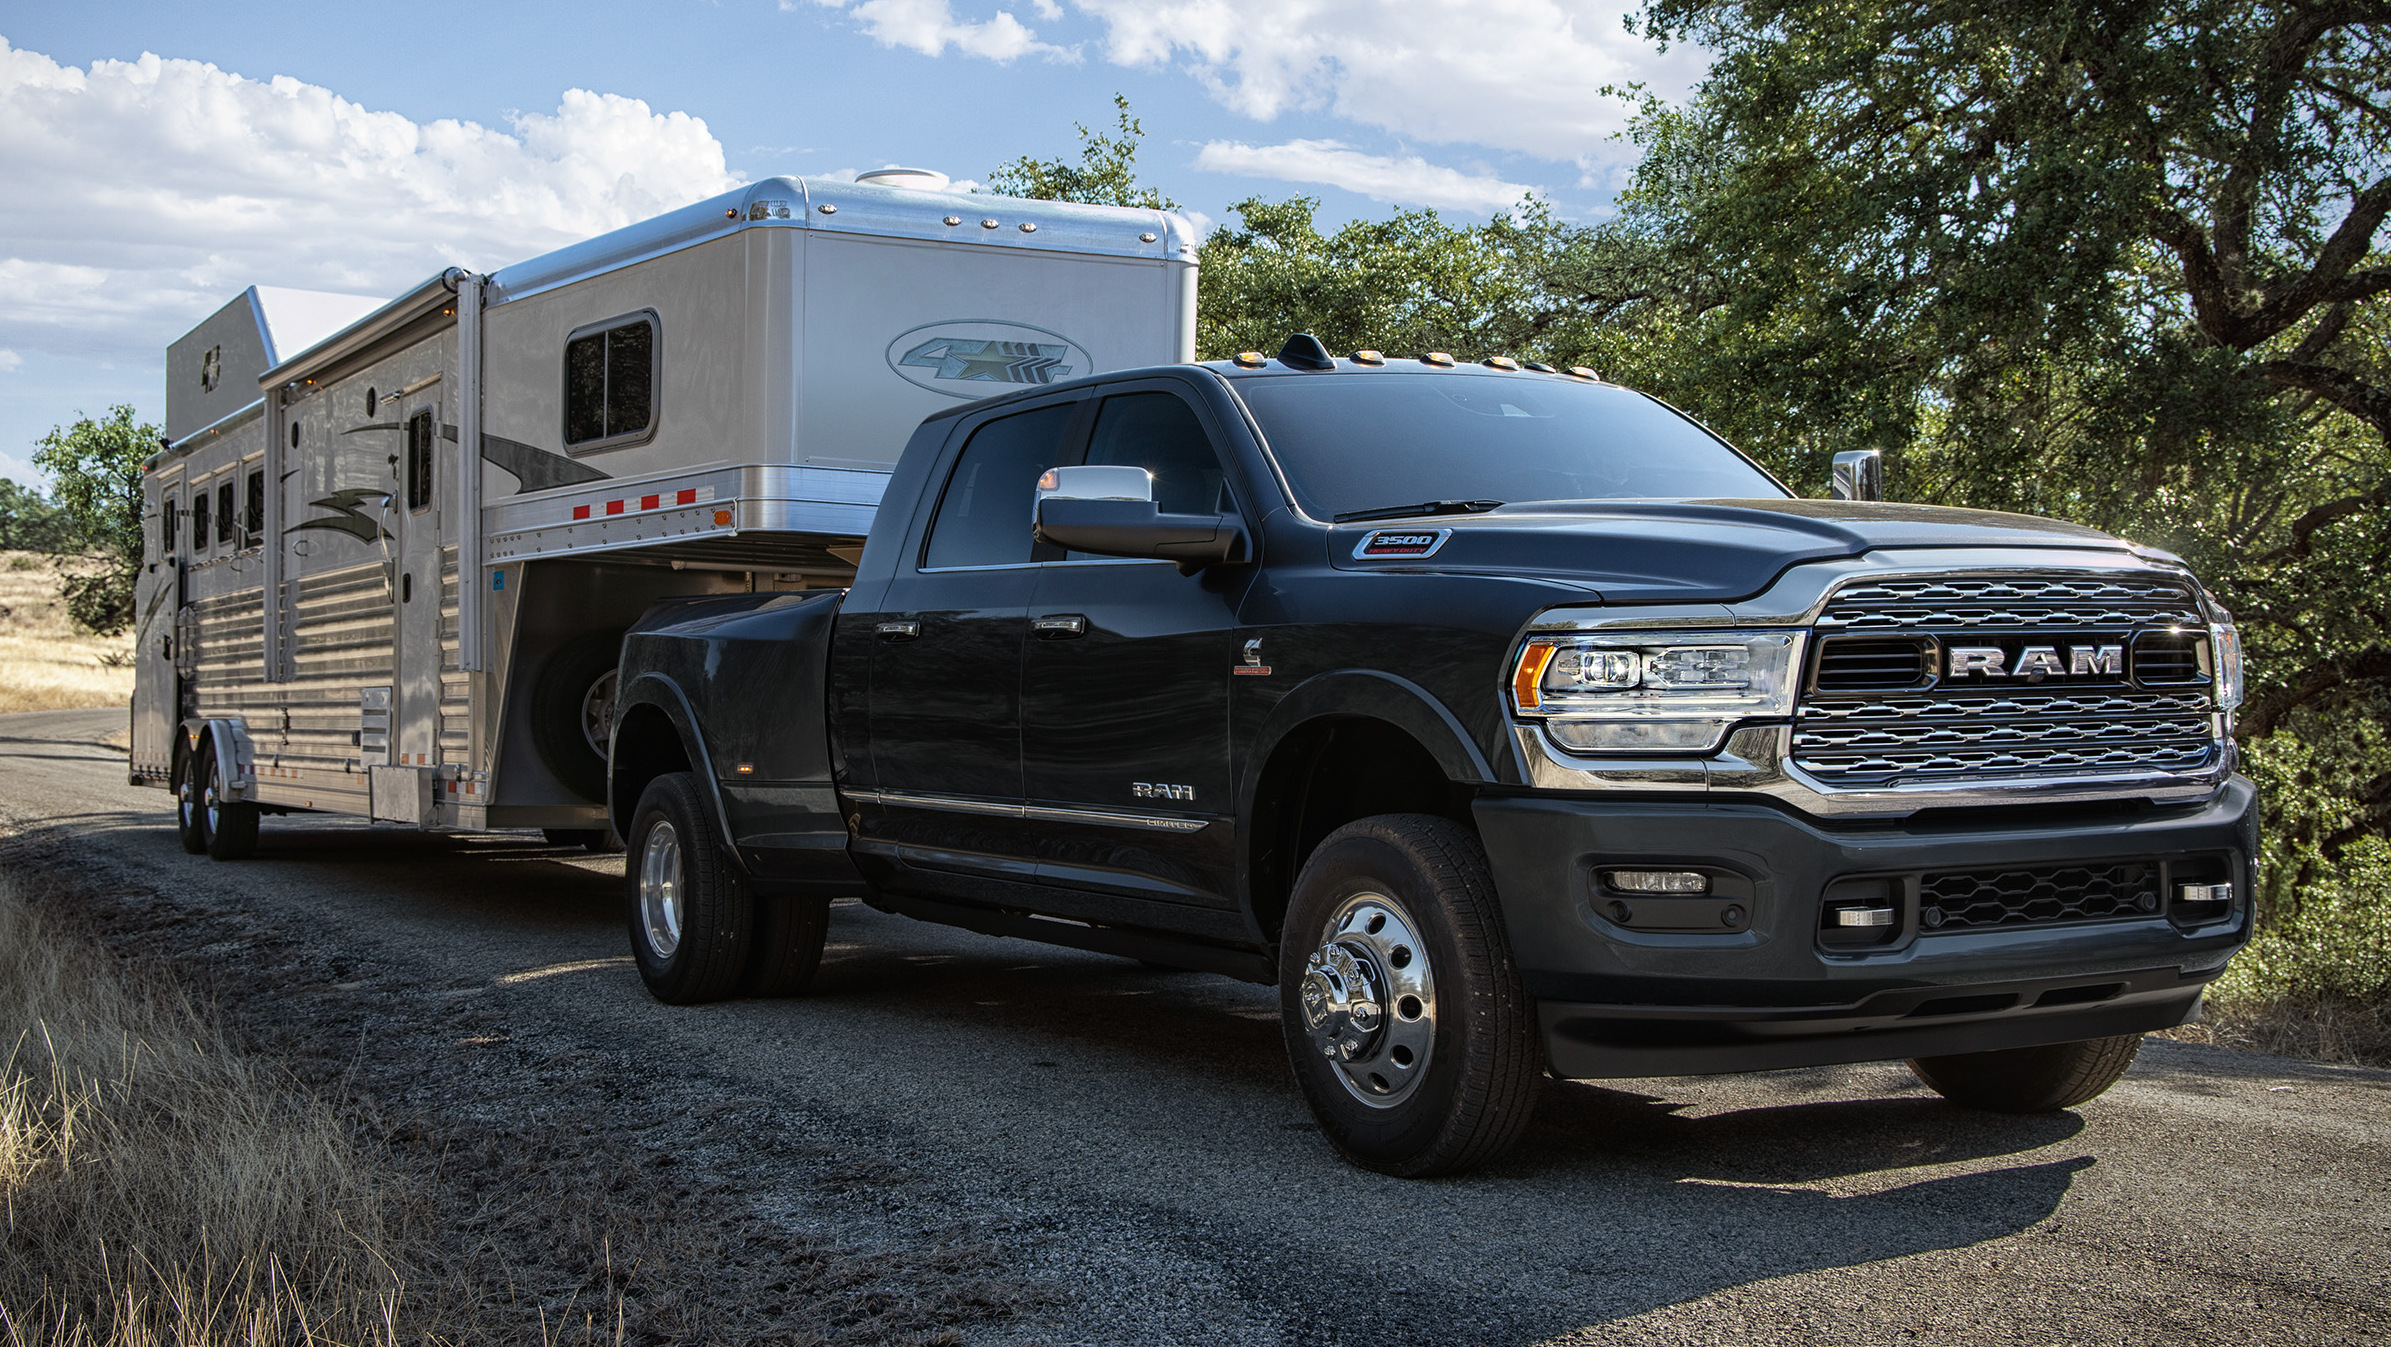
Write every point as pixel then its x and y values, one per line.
pixel 945 701
pixel 1125 741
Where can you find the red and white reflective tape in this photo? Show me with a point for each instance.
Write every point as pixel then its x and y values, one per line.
pixel 662 500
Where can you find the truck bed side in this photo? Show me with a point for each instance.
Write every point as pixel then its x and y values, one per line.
pixel 736 691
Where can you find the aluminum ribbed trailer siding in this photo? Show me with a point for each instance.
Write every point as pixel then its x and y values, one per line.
pixel 706 402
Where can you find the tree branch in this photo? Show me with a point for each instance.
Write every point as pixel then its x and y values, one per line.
pixel 2343 389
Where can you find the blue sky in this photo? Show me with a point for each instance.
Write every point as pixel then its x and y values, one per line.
pixel 359 148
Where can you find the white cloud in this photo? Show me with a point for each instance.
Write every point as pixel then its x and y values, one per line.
pixel 1522 75
pixel 930 27
pixel 142 194
pixel 10 361
pixel 1411 181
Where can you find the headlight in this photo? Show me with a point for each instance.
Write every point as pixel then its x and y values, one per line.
pixel 2225 645
pixel 1654 691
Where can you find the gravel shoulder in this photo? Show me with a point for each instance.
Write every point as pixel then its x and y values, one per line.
pixel 964 1138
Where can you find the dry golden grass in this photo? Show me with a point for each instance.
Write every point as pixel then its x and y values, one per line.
pixel 2347 1031
pixel 156 1186
pixel 45 664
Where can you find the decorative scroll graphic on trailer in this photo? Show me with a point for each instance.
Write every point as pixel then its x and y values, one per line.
pixel 981 352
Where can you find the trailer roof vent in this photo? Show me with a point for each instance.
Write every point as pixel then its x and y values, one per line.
pixel 918 179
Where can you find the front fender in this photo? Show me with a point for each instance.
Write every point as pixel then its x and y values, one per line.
pixel 1375 695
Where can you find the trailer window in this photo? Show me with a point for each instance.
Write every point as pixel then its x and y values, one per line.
pixel 984 517
pixel 610 383
pixel 199 520
pixel 166 528
pixel 224 514
pixel 253 511
pixel 419 460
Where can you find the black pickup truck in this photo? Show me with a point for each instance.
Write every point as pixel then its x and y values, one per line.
pixel 1508 721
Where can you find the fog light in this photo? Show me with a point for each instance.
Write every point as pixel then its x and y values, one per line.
pixel 2204 893
pixel 1849 917
pixel 1658 881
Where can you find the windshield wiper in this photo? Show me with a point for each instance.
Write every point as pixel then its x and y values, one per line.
pixel 1425 507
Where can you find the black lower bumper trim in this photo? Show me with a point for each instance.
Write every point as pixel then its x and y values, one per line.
pixel 1600 1042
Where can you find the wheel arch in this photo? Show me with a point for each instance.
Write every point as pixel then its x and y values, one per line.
pixel 1342 746
pixel 655 732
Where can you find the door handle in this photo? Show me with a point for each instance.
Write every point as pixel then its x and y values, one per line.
pixel 1059 626
pixel 899 631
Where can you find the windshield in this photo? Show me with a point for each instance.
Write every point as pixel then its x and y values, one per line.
pixel 1373 441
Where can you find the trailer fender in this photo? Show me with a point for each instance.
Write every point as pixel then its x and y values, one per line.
pixel 663 694
pixel 231 738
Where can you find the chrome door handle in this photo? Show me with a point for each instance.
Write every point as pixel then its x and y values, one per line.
pixel 899 631
pixel 1059 626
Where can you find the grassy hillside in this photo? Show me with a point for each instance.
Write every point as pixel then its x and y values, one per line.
pixel 45 664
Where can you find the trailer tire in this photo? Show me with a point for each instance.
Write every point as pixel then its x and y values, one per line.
pixel 1409 1031
pixel 2029 1080
pixel 692 917
pixel 190 819
pixel 231 826
pixel 572 711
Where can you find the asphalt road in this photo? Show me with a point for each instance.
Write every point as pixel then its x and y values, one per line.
pixel 1133 1144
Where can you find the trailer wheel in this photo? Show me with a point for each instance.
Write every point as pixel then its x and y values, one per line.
pixel 1406 1023
pixel 692 918
pixel 190 818
pixel 2029 1080
pixel 231 826
pixel 572 711
pixel 789 932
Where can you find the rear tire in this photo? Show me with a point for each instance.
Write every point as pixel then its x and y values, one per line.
pixel 572 711
pixel 692 919
pixel 231 827
pixel 789 933
pixel 2029 1080
pixel 1405 1020
pixel 190 819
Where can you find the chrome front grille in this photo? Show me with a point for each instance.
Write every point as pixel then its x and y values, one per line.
pixel 2140 720
pixel 2016 602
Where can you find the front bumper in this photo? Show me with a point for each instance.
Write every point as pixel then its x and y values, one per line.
pixel 1770 993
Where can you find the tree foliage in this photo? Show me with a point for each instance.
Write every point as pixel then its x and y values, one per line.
pixel 2116 262
pixel 95 468
pixel 30 523
pixel 1106 174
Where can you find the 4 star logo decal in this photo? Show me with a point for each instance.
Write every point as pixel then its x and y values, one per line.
pixel 963 357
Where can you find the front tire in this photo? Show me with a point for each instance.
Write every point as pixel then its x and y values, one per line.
pixel 789 934
pixel 692 920
pixel 2029 1080
pixel 1408 1029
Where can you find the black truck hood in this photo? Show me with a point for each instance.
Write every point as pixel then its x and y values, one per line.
pixel 1666 551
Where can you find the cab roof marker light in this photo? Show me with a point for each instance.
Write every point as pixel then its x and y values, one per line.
pixel 1252 359
pixel 1440 359
pixel 1584 373
pixel 1369 357
pixel 1540 367
pixel 1500 362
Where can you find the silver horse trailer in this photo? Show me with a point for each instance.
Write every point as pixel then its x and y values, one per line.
pixel 388 574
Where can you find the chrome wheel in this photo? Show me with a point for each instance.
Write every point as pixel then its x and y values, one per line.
pixel 1369 1000
pixel 597 715
pixel 660 895
pixel 212 795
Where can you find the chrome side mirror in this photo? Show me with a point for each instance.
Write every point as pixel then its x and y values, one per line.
pixel 1860 475
pixel 1096 481
pixel 1109 510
